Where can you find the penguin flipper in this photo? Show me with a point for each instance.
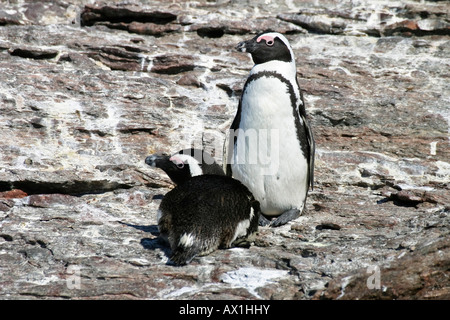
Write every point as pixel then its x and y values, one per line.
pixel 312 151
pixel 309 138
pixel 285 217
pixel 230 140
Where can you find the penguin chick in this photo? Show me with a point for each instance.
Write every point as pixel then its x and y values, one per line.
pixel 205 211
pixel 272 103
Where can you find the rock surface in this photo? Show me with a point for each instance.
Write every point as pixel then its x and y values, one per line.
pixel 87 91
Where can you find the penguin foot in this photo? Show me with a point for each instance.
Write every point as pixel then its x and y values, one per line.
pixel 285 217
pixel 263 221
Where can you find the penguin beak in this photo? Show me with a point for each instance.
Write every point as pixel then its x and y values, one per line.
pixel 151 160
pixel 246 46
pixel 241 46
pixel 154 159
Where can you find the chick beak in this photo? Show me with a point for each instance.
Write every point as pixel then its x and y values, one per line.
pixel 242 46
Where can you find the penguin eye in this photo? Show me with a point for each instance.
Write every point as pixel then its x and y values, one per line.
pixel 270 42
pixel 180 165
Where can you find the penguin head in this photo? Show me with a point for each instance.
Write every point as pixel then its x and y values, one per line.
pixel 266 47
pixel 185 164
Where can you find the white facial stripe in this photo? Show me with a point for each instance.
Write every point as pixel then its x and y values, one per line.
pixel 274 35
pixel 194 165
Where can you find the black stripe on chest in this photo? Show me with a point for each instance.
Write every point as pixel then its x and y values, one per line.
pixel 300 129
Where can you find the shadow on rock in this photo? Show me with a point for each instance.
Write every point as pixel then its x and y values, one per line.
pixel 153 229
pixel 151 243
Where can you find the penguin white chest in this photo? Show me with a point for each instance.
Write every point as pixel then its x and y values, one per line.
pixel 267 157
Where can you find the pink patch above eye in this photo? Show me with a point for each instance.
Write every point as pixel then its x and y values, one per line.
pixel 269 39
pixel 176 160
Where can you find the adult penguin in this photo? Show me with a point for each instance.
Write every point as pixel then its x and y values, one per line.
pixel 271 122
